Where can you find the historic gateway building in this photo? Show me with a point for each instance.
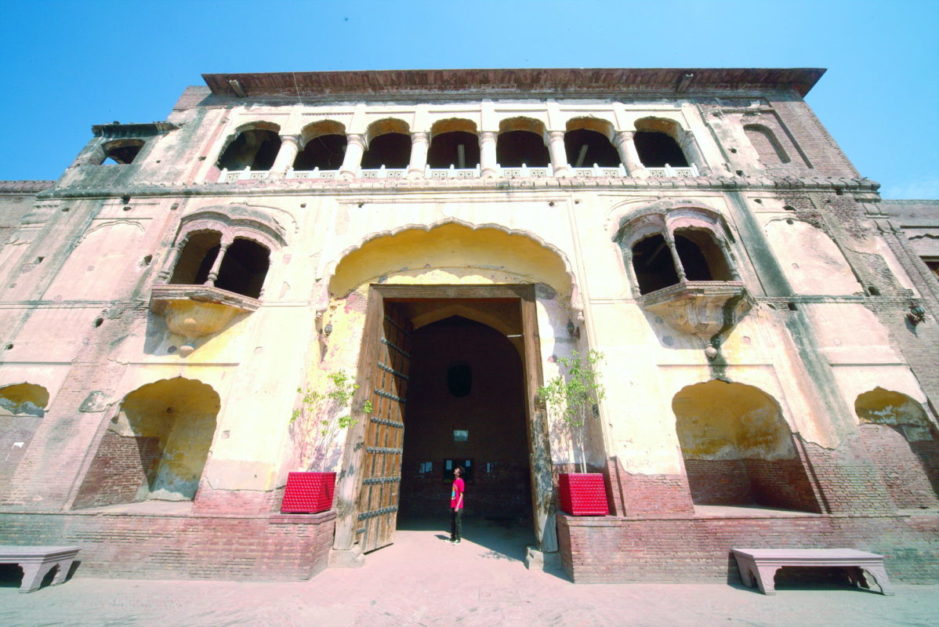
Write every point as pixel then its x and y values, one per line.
pixel 372 274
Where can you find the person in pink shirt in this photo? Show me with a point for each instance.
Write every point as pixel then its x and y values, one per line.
pixel 456 506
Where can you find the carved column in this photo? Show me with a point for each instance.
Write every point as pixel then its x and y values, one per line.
pixel 626 146
pixel 487 154
pixel 289 147
pixel 673 251
pixel 173 260
pixel 217 264
pixel 690 148
pixel 352 161
pixel 420 142
pixel 558 153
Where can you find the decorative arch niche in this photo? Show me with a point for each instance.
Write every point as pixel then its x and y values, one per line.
pixel 156 447
pixel 738 449
pixel 903 444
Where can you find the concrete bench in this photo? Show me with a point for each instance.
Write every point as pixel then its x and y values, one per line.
pixel 37 561
pixel 761 564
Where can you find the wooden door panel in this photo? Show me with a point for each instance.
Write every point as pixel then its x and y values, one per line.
pixel 384 433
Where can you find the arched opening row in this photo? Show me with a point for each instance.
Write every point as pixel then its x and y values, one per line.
pixel 587 145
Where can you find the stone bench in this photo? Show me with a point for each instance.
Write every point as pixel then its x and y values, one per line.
pixel 37 561
pixel 761 564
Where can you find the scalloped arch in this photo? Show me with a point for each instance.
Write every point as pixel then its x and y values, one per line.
pixel 456 245
pixel 259 218
pixel 622 214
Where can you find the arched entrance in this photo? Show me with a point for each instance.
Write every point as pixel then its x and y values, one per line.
pixel 458 324
pixel 410 278
pixel 466 407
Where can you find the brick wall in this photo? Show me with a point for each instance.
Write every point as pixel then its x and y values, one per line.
pixel 122 466
pixel 903 471
pixel 848 480
pixel 647 495
pixel 618 550
pixel 269 547
pixel 16 432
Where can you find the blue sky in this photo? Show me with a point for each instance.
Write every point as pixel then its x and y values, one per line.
pixel 74 64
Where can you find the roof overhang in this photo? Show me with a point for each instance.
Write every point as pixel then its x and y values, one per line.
pixel 570 82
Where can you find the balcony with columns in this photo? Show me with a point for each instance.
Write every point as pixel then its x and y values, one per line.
pixel 521 149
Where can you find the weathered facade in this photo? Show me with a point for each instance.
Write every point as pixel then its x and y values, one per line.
pixel 177 307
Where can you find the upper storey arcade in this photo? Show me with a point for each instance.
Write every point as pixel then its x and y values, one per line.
pixel 318 128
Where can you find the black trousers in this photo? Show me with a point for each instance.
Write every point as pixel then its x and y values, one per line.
pixel 456 523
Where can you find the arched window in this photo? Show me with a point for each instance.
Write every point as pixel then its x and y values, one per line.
pixel 229 249
pixel 767 146
pixel 587 143
pixel 453 143
pixel 521 142
pixel 254 147
pixel 670 247
pixel 197 258
pixel 657 143
pixel 122 151
pixel 324 146
pixel 701 256
pixel 389 145
pixel 653 264
pixel 244 267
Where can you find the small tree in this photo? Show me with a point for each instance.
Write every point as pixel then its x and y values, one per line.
pixel 322 415
pixel 574 394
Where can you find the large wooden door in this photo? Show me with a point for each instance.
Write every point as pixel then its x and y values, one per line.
pixel 384 432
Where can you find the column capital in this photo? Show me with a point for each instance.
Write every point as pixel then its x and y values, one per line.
pixel 356 138
pixel 420 136
pixel 622 136
pixel 558 153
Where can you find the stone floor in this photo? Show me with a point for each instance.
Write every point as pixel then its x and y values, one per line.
pixel 424 580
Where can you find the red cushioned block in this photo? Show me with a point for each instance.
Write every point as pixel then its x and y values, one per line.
pixel 308 492
pixel 583 494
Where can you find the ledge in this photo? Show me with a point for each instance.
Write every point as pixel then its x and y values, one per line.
pixel 701 308
pixel 195 311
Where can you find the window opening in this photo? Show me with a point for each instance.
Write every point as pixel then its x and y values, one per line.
pixel 653 264
pixel 460 380
pixel 122 151
pixel 701 257
pixel 515 148
pixel 244 268
pixel 325 152
pixel 457 148
pixel 391 150
pixel 657 149
pixel 586 148
pixel 254 149
pixel 197 258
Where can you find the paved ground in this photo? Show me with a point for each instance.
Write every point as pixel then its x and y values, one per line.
pixel 423 580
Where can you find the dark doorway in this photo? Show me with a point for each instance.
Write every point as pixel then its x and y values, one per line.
pixel 466 403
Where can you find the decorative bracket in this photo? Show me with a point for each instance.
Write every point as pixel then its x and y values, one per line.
pixel 701 308
pixel 194 311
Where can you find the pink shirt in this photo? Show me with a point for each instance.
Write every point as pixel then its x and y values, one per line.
pixel 456 494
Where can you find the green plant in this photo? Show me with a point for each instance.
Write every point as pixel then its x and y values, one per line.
pixel 573 395
pixel 336 399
